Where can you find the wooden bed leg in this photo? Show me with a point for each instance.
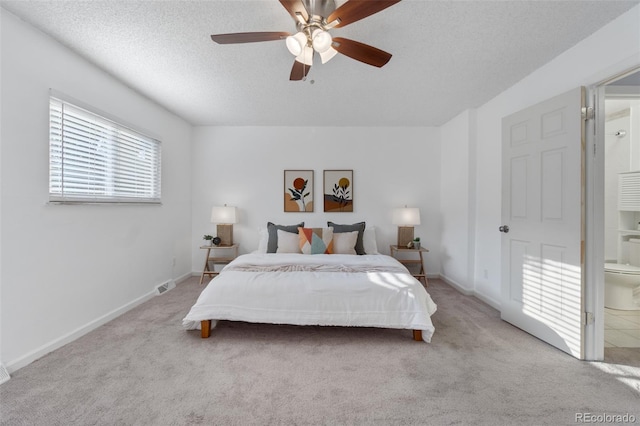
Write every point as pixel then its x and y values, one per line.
pixel 205 329
pixel 417 335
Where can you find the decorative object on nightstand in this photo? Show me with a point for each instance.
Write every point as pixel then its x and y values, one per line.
pixel 216 241
pixel 421 274
pixel 416 243
pixel 231 253
pixel 208 239
pixel 406 218
pixel 224 217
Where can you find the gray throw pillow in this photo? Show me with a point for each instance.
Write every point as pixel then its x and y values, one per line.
pixel 350 228
pixel 272 228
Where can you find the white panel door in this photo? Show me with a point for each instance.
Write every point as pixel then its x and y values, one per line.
pixel 542 221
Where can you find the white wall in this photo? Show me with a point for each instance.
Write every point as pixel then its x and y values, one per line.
pixel 457 159
pixel 611 50
pixel 244 167
pixel 67 268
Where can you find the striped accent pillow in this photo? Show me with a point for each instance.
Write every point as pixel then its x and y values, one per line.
pixel 316 240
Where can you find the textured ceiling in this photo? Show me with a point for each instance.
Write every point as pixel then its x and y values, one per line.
pixel 447 56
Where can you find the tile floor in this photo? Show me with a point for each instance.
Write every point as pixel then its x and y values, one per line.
pixel 621 328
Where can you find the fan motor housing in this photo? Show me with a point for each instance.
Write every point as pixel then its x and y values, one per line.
pixel 319 7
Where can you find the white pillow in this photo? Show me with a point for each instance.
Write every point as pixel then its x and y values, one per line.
pixel 263 236
pixel 345 242
pixel 369 240
pixel 288 242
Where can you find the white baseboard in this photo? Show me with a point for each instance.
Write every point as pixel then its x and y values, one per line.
pixel 488 300
pixel 468 292
pixel 457 286
pixel 183 277
pixel 38 353
pixel 4 374
pixel 81 331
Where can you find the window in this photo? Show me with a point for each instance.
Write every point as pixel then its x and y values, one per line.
pixel 94 159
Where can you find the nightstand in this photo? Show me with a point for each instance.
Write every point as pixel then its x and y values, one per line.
pixel 421 275
pixel 231 252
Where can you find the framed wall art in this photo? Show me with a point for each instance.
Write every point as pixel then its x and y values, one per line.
pixel 338 191
pixel 298 190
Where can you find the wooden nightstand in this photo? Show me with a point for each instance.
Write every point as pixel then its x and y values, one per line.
pixel 232 253
pixel 421 275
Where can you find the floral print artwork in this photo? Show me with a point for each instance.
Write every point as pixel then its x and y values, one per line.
pixel 338 190
pixel 298 195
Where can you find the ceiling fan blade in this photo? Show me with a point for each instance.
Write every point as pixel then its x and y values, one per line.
pixel 354 10
pixel 295 6
pixel 248 37
pixel 299 71
pixel 361 52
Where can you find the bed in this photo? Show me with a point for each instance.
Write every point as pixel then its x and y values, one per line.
pixel 369 290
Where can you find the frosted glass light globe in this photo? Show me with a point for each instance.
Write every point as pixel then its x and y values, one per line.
pixel 296 42
pixel 321 40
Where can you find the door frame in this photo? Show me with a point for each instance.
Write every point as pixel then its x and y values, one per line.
pixel 594 237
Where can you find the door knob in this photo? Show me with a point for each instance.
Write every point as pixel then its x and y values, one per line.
pixel 504 228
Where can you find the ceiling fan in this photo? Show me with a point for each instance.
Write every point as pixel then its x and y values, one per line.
pixel 314 19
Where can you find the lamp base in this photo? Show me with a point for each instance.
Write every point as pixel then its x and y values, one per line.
pixel 405 235
pixel 225 233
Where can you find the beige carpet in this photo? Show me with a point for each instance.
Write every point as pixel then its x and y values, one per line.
pixel 144 369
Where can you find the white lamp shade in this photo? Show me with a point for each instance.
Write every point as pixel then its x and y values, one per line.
pixel 224 215
pixel 321 40
pixel 406 216
pixel 327 55
pixel 306 57
pixel 296 42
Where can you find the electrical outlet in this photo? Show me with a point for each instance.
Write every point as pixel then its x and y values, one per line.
pixel 173 262
pixel 486 274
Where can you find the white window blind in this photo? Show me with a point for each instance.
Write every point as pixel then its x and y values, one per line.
pixel 94 159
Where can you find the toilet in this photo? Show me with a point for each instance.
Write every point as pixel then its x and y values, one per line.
pixel 620 281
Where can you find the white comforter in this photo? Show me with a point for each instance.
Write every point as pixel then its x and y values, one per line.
pixel 331 289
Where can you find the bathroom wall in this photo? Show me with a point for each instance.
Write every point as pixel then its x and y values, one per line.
pixel 617 152
pixel 621 155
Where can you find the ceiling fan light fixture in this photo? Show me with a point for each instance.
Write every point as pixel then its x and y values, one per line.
pixel 313 21
pixel 321 40
pixel 296 43
pixel 306 57
pixel 328 54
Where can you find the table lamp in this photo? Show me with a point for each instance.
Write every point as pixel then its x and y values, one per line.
pixel 406 218
pixel 224 217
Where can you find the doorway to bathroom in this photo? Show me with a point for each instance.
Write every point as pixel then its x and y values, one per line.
pixel 619 135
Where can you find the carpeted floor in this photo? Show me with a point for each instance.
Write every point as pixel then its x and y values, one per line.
pixel 144 369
